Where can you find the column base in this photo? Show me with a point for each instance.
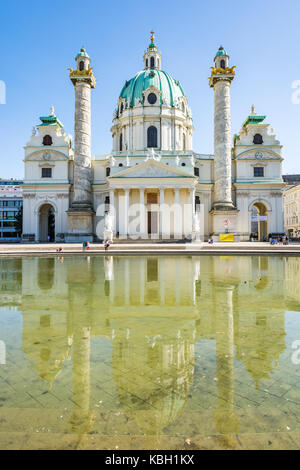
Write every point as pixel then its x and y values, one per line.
pixel 218 218
pixel 80 226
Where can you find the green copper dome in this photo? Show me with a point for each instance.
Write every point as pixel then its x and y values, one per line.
pixel 170 89
pixel 221 51
pixel 82 53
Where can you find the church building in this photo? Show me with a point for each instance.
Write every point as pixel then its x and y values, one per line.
pixel 153 185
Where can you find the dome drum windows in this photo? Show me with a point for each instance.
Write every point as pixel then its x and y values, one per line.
pixel 152 137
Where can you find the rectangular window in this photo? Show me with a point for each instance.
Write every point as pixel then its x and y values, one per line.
pixel 259 171
pixel 107 171
pixel 8 215
pixel 9 224
pixel 46 172
pixel 196 171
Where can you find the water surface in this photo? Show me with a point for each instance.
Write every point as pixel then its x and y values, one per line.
pixel 167 352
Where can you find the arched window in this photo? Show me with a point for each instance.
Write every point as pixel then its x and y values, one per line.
pixel 81 65
pixel 121 108
pixel 152 62
pixel 47 140
pixel 121 142
pixel 152 137
pixel 258 140
pixel 222 64
pixel 146 62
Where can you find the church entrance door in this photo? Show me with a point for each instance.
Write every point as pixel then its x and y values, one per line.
pixel 153 223
pixel 47 223
pixel 259 221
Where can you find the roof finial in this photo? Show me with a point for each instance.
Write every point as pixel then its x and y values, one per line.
pixel 152 36
pixel 52 113
pixel 253 109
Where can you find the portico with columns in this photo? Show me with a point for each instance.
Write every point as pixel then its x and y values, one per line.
pixel 152 200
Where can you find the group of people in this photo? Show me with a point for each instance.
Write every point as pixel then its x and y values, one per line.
pixel 281 240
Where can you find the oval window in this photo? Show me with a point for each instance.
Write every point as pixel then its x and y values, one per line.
pixel 152 98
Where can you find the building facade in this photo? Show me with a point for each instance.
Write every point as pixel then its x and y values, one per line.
pixel 153 184
pixel 291 202
pixel 11 202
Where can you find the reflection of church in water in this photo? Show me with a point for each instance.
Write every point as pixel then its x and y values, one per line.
pixel 153 311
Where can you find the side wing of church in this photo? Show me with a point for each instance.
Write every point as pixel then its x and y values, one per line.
pixel 152 185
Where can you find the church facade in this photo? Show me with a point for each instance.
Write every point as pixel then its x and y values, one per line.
pixel 152 184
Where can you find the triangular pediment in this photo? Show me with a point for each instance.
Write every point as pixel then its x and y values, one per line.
pixel 152 169
pixel 258 154
pixel 46 155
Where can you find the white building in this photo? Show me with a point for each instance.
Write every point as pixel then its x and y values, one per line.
pixel 152 181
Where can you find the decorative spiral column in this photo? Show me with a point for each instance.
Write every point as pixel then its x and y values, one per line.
pixel 220 81
pixel 80 215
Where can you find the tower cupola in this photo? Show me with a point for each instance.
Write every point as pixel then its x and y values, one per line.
pixel 221 58
pixel 152 58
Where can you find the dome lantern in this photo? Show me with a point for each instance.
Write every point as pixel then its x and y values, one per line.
pixel 221 58
pixel 152 58
pixel 82 60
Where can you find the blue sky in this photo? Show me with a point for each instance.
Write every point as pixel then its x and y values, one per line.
pixel 39 41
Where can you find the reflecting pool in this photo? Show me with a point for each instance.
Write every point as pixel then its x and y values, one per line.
pixel 168 352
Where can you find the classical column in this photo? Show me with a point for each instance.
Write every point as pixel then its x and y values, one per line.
pixel 142 281
pixel 225 417
pixel 142 213
pixel 126 210
pixel 162 280
pixel 192 200
pixel 81 419
pixel 161 209
pixel 177 282
pixel 127 282
pixel 177 215
pixel 112 208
